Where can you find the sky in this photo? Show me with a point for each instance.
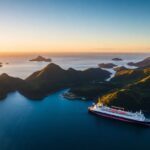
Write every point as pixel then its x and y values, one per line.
pixel 75 25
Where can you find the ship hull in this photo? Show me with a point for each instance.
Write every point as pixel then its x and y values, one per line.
pixel 104 115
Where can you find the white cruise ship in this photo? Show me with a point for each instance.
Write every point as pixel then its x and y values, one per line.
pixel 119 114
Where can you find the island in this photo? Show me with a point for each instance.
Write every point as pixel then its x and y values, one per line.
pixel 117 59
pixel 41 58
pixel 107 65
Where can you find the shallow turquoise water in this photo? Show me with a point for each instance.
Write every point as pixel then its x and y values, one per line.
pixel 56 123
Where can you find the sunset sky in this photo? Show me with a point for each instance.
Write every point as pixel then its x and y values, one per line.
pixel 75 25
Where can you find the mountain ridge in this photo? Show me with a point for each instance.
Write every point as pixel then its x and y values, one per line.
pixel 49 79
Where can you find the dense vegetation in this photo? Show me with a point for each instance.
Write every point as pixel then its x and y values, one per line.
pixel 134 93
pixel 92 90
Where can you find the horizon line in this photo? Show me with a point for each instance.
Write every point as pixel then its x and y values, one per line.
pixel 75 52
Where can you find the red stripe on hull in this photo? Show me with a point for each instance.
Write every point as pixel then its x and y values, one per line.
pixel 120 119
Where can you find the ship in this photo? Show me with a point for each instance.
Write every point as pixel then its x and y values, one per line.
pixel 120 114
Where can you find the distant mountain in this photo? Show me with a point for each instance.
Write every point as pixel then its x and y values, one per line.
pixel 49 79
pixel 144 63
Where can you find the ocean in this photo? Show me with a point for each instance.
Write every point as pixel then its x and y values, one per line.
pixel 20 66
pixel 56 123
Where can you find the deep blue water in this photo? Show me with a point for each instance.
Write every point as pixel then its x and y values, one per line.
pixel 56 123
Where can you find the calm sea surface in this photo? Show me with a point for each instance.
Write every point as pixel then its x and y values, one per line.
pixel 20 66
pixel 56 123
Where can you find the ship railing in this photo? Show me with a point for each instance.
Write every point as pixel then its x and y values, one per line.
pixel 137 115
